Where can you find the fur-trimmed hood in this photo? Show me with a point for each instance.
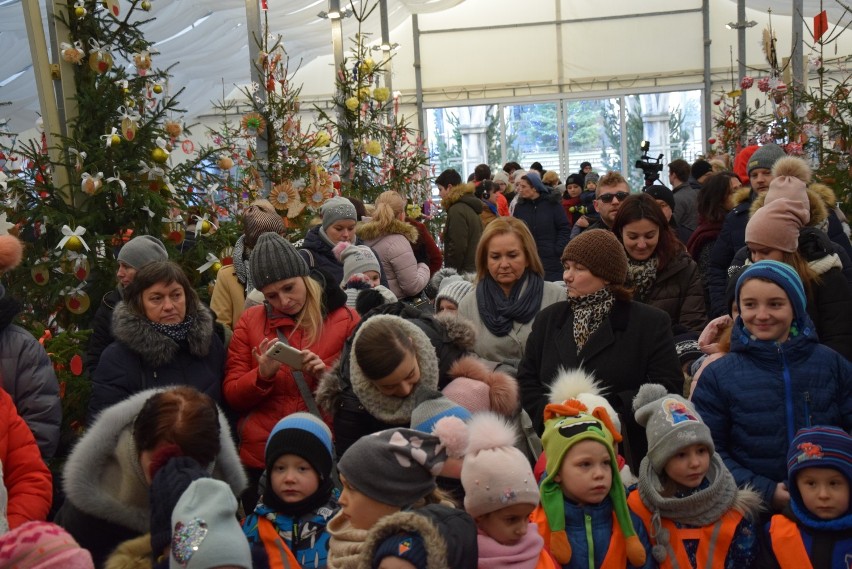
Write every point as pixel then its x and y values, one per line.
pixel 741 195
pixel 411 522
pixel 821 200
pixel 155 349
pixel 103 477
pixel 370 231
pixel 748 502
pixel 134 553
pixel 456 193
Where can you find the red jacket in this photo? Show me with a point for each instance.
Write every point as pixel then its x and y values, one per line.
pixel 263 402
pixel 28 482
pixel 426 250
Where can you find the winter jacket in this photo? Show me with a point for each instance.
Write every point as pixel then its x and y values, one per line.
pixel 263 402
pixel 446 338
pixel 406 276
pixel 686 207
pixel 790 543
pixel 26 374
pixel 549 226
pixel 449 536
pixel 27 481
pixel 509 348
pixel 141 358
pixel 677 291
pixel 229 297
pixel 593 525
pixel 731 239
pixel 573 209
pixel 755 399
pixel 425 249
pixel 107 499
pixel 463 228
pixel 101 329
pixel 318 254
pixel 633 346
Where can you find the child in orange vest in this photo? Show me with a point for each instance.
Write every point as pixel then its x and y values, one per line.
pixel 815 531
pixel 583 516
pixel 687 499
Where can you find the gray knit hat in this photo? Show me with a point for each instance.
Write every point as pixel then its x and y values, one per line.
pixel 765 157
pixel 357 259
pixel 142 250
pixel 453 289
pixel 671 423
pixel 335 209
pixel 408 462
pixel 275 259
pixel 592 177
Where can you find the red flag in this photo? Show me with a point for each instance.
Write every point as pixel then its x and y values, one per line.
pixel 263 5
pixel 820 25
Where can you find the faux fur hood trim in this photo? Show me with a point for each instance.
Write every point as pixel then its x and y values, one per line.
pixel 455 194
pixel 819 211
pixel 395 410
pixel 134 553
pixel 155 349
pixel 741 195
pixel 371 231
pixel 748 502
pixel 408 521
pixel 503 391
pixel 460 331
pixel 102 476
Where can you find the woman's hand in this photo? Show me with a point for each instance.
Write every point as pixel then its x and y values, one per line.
pixel 266 366
pixel 312 363
pixel 781 497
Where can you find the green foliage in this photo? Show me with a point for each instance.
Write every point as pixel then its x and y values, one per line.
pixel 584 125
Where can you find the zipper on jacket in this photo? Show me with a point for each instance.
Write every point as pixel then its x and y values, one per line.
pixel 788 397
pixel 807 397
pixel 590 542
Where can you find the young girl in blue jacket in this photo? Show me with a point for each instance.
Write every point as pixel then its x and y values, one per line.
pixel 776 380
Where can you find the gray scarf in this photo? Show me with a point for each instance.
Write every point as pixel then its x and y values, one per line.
pixel 641 276
pixel 241 264
pixel 701 508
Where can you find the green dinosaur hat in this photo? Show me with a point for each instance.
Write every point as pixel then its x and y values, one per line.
pixel 566 424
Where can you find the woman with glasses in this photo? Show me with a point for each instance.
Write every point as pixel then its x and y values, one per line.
pixel 540 208
pixel 660 271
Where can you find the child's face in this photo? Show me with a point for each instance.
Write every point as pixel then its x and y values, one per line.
pixel 688 466
pixel 395 563
pixel 766 310
pixel 506 526
pixel 586 473
pixel 447 305
pixel 362 511
pixel 293 479
pixel 573 190
pixel 825 492
pixel 591 186
pixel 374 277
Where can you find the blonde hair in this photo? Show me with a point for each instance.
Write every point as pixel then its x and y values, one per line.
pixel 389 206
pixel 310 318
pixel 503 226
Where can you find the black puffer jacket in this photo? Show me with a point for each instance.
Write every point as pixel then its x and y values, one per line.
pixel 101 330
pixel 548 224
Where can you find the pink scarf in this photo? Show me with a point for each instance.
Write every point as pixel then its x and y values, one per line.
pixel 522 555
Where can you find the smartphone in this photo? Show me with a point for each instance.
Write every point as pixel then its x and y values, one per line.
pixel 286 355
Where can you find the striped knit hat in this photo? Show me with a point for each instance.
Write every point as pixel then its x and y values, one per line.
pixel 817 447
pixel 788 279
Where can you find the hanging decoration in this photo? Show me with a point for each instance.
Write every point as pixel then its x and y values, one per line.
pixel 73 239
pixel 72 53
pixel 100 59
pixel 92 184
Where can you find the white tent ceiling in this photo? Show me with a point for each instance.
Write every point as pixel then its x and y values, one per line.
pixel 208 41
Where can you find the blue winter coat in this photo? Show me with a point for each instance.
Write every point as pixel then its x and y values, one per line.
pixel 549 226
pixel 731 239
pixel 756 398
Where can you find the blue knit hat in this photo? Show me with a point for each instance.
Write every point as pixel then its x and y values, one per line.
pixel 788 279
pixel 304 435
pixel 407 546
pixel 817 447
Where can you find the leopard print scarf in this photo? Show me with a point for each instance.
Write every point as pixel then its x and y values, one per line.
pixel 589 312
pixel 641 276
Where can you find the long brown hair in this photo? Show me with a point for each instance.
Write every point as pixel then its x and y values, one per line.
pixel 643 206
pixel 380 347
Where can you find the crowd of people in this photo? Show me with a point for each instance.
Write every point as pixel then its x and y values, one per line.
pixel 573 374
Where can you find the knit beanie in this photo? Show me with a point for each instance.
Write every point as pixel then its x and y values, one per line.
pixel 817 447
pixel 791 176
pixel 591 177
pixel 259 218
pixel 599 251
pixel 788 279
pixel 168 485
pixel 575 179
pixel 765 157
pixel 686 346
pixel 408 546
pixel 478 388
pixel 659 192
pixel 335 209
pixel 275 259
pixel 408 461
pixel 453 289
pixel 42 545
pixel 566 424
pixel 356 259
pixel 671 423
pixel 304 435
pixel 431 407
pixel 777 225
pixel 142 250
pixel 699 168
pixel 206 532
pixel 495 474
pixel 500 177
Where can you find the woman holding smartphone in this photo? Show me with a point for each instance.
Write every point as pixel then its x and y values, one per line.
pixel 306 310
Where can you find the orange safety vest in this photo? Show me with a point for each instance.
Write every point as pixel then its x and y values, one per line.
pixel 280 556
pixel 616 553
pixel 787 544
pixel 714 540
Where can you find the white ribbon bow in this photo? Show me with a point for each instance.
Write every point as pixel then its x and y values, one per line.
pixel 151 214
pixel 176 219
pixel 153 172
pixel 107 138
pixel 199 221
pixel 68 233
pixel 73 290
pixel 211 260
pixel 117 178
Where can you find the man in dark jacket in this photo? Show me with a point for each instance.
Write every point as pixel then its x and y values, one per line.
pixel 732 236
pixel 464 225
pixel 611 191
pixel 685 196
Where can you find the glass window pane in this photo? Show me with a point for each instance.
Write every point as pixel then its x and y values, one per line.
pixel 463 137
pixel 532 134
pixel 594 134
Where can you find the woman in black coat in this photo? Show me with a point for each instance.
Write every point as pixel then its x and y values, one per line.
pixel 624 344
pixel 541 209
pixel 163 336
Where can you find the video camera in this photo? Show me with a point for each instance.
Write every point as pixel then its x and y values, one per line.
pixel 650 166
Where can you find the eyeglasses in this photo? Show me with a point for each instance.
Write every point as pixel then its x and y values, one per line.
pixel 606 198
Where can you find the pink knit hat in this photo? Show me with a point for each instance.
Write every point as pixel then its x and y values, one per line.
pixel 477 388
pixel 777 225
pixel 41 545
pixel 792 175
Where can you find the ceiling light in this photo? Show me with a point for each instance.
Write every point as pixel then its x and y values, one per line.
pixel 335 14
pixel 740 25
pixel 386 47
